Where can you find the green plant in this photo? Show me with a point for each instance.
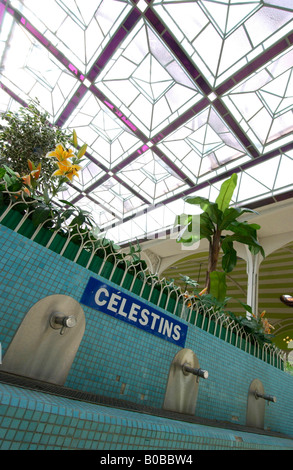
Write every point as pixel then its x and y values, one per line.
pixel 258 326
pixel 130 260
pixel 32 175
pixel 41 207
pixel 188 282
pixel 37 192
pixel 209 305
pixel 28 135
pixel 289 368
pixel 220 226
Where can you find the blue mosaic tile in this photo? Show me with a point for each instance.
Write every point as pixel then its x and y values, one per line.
pixel 140 365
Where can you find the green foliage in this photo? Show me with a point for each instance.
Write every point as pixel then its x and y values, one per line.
pixel 28 134
pixel 188 282
pixel 42 209
pixel 130 260
pixel 218 216
pixel 216 302
pixel 9 179
pixel 289 368
pixel 227 189
pixel 253 326
pixel 30 186
pixel 218 285
pixel 219 224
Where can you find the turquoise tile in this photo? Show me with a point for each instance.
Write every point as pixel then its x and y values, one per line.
pixel 19 436
pixel 133 356
pixel 5 445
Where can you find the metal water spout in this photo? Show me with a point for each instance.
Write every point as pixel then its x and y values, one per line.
pixel 37 346
pixel 187 369
pixel 256 401
pixel 183 382
pixel 265 397
pixel 61 321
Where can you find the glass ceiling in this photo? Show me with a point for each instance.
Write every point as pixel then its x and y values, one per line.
pixel 170 96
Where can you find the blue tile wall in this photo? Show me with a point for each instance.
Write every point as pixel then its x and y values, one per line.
pixel 118 360
pixel 37 421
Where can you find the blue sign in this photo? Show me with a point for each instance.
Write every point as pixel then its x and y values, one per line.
pixel 107 299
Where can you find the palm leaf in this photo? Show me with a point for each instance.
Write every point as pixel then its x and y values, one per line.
pixel 226 192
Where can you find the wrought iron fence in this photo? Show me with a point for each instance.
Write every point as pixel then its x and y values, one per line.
pixel 98 255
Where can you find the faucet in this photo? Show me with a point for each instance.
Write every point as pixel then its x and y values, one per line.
pixel 265 397
pixel 60 321
pixel 187 369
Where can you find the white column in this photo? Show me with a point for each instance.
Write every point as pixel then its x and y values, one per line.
pixel 252 268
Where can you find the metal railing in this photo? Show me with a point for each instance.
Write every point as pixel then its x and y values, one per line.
pixel 134 277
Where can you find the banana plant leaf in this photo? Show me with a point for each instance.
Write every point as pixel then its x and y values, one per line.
pixel 226 192
pixel 218 286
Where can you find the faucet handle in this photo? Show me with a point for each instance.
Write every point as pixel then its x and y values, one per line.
pixel 69 322
pixel 187 369
pixel 60 321
pixel 265 396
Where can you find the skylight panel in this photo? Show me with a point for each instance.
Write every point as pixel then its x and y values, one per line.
pixel 117 198
pixel 108 139
pixel 150 178
pixel 76 28
pixel 168 95
pixel 202 145
pixel 158 89
pixel 101 216
pixel 263 102
pixel 223 35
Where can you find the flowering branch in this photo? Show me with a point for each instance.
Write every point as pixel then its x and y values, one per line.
pixel 40 190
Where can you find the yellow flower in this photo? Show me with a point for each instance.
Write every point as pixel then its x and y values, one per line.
pixel 27 181
pixel 202 292
pixel 63 168
pixel 60 153
pixel 36 173
pixel 73 171
pixel 67 169
pixel 267 326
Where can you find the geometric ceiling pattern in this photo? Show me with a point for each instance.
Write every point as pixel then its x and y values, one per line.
pixel 170 96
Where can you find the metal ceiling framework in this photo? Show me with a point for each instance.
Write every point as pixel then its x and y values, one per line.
pixel 171 96
pixel 179 95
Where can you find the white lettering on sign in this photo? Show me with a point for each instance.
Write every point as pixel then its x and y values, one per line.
pixel 124 306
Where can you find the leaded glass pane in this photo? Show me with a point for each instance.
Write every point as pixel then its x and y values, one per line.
pixel 109 140
pixel 263 102
pixel 144 77
pixel 117 198
pixel 168 95
pixel 31 71
pixel 77 28
pixel 148 176
pixel 202 145
pixel 219 36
